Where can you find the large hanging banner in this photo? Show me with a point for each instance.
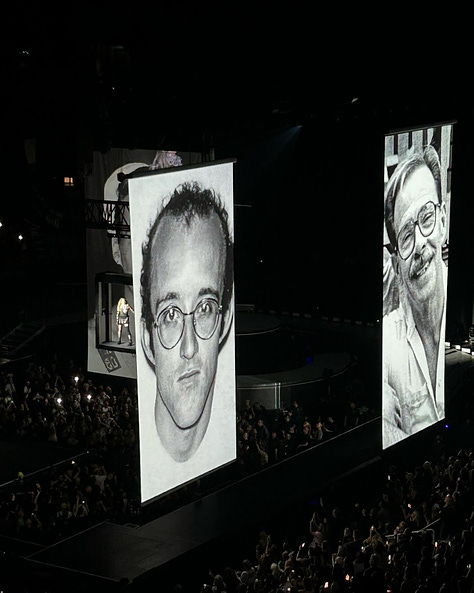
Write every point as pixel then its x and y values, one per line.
pixel 111 344
pixel 415 255
pixel 182 253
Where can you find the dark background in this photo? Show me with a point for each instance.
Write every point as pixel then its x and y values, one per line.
pixel 300 96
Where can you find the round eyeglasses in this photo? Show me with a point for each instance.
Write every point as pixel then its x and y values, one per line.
pixel 170 322
pixel 426 221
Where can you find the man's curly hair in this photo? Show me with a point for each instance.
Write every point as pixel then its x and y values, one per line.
pixel 188 201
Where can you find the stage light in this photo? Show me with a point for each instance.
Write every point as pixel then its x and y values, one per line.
pixel 76 379
pixel 59 400
pixel 20 237
pixel 89 396
pixel 446 426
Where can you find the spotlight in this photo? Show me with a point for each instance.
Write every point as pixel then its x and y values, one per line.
pixel 89 396
pixel 76 379
pixel 20 237
pixel 59 400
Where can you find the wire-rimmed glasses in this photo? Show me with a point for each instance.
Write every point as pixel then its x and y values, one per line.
pixel 170 322
pixel 426 221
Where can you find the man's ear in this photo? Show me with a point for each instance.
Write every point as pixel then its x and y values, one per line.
pixel 442 218
pixel 395 262
pixel 226 324
pixel 146 339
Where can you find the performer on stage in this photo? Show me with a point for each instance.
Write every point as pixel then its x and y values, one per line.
pixel 123 309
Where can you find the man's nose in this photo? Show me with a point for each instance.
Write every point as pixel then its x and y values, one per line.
pixel 189 343
pixel 420 240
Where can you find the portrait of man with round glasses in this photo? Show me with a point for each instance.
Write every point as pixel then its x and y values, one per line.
pixel 186 300
pixel 414 330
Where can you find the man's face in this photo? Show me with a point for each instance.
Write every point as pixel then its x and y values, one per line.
pixel 421 272
pixel 188 266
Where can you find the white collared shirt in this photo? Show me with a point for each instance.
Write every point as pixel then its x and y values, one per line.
pixel 409 401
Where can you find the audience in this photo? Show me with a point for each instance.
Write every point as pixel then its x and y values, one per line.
pixel 414 534
pixel 55 402
pixel 407 548
pixel 63 408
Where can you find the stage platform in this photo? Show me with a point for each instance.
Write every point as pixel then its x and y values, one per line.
pixel 115 346
pixel 251 324
pixel 282 358
pixel 277 390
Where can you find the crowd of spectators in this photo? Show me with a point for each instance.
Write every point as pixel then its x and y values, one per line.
pixel 58 405
pixel 69 410
pixel 266 437
pixel 413 533
pixel 55 402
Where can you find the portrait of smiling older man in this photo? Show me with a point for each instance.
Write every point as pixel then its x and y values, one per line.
pixel 186 291
pixel 413 333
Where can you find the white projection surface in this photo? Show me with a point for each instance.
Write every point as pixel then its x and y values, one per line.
pixel 415 257
pixel 182 253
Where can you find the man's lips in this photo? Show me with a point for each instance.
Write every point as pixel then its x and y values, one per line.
pixel 188 374
pixel 420 268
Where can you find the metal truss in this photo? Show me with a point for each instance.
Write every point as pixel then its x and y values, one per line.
pixel 110 215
